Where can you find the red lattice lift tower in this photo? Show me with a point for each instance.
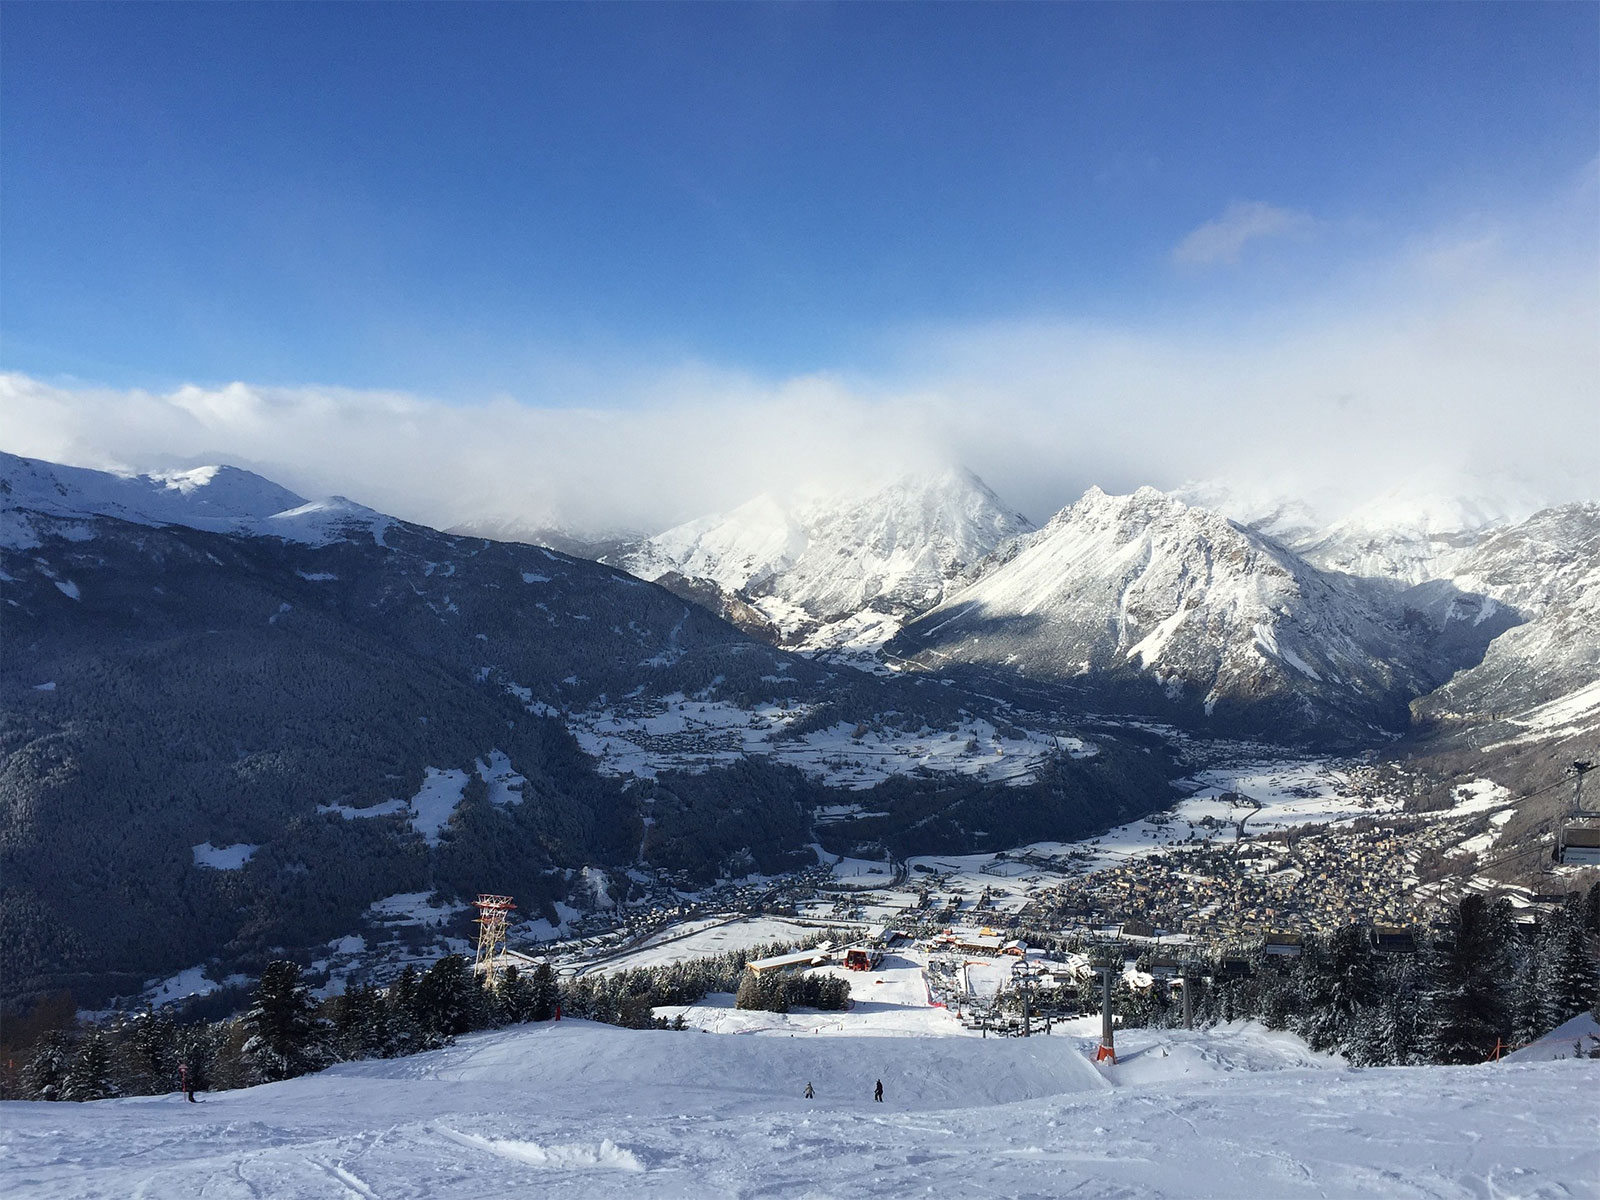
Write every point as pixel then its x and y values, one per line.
pixel 494 913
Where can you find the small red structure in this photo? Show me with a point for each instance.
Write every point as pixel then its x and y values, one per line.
pixel 859 958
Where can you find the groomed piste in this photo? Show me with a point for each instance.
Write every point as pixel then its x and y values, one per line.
pixel 577 1109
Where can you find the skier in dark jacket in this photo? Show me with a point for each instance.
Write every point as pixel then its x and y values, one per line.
pixel 877 1092
pixel 810 1095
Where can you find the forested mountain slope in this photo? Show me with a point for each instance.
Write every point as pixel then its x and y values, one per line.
pixel 216 743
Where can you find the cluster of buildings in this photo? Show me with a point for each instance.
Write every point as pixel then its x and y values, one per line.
pixel 1313 882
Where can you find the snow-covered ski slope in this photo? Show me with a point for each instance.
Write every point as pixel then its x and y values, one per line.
pixel 573 1109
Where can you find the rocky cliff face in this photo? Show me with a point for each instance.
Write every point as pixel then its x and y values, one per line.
pixel 1546 570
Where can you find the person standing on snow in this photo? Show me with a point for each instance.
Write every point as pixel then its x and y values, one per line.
pixel 877 1092
pixel 810 1095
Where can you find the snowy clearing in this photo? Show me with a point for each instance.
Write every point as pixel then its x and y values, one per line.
pixel 575 1109
pixel 223 858
pixel 679 733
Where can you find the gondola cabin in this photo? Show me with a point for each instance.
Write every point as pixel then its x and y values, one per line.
pixel 1578 846
pixel 1393 939
pixel 1284 945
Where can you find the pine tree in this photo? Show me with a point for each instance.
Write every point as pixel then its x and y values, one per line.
pixel 284 1037
pixel 1354 984
pixel 360 1023
pixel 749 993
pixel 196 1048
pixel 1366 1042
pixel 1526 999
pixel 402 1030
pixel 1274 1000
pixel 1465 1002
pixel 1310 996
pixel 145 1060
pixel 449 1001
pixel 1566 969
pixel 546 992
pixel 46 1072
pixel 90 1076
pixel 513 998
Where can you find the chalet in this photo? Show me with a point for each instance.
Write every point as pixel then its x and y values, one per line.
pixel 968 941
pixel 787 962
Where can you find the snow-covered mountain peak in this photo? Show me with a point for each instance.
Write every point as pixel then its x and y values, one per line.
pixel 318 522
pixel 1145 592
pixel 220 499
pixel 1422 528
pixel 817 555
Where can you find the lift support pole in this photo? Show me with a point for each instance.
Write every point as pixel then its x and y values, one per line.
pixel 1108 1046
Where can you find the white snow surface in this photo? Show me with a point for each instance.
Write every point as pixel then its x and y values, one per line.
pixel 435 802
pixel 217 498
pixel 223 858
pixel 699 938
pixel 189 982
pixel 442 789
pixel 1577 1038
pixel 573 1109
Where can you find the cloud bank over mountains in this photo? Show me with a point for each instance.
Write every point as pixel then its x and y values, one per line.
pixel 1463 356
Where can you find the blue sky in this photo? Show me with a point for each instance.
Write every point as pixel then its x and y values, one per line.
pixel 468 199
pixel 617 265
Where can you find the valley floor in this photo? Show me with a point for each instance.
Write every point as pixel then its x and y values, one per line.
pixel 576 1109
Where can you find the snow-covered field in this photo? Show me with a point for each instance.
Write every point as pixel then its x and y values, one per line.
pixel 441 792
pixel 702 938
pixel 574 1109
pixel 685 734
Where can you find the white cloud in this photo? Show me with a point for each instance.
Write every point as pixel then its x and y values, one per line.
pixel 1222 239
pixel 1470 354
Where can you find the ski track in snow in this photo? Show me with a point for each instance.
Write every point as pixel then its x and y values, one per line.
pixel 573 1109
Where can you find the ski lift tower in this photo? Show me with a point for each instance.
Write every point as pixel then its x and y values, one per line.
pixel 493 914
pixel 1107 965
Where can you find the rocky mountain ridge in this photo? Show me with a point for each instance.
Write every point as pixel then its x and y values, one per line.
pixel 1149 598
